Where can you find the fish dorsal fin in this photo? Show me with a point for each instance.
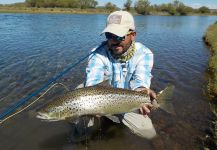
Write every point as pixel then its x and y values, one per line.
pixel 164 98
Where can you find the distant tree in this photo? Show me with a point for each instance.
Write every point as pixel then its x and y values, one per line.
pixel 204 9
pixel 67 3
pixel 176 3
pixel 62 3
pixel 41 3
pixel 110 6
pixel 51 3
pixel 181 9
pixel 156 7
pixel 73 4
pixel 31 3
pixel 87 4
pixel 189 9
pixel 171 9
pixel 127 5
pixel 174 8
pixel 162 7
pixel 142 7
pixel 151 8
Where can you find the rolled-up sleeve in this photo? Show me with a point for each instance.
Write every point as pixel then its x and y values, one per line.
pixel 94 70
pixel 142 75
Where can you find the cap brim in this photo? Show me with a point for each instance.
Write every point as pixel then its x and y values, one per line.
pixel 116 29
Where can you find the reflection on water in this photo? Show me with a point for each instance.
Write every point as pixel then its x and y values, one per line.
pixel 35 47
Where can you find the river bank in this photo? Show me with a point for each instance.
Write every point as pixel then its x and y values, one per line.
pixel 36 10
pixel 210 39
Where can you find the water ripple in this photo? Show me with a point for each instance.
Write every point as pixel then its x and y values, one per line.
pixel 35 47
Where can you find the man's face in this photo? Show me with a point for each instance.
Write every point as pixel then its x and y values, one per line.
pixel 118 46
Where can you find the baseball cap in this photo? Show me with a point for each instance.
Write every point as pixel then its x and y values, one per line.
pixel 119 23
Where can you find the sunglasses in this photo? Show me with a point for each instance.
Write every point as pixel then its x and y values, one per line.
pixel 110 36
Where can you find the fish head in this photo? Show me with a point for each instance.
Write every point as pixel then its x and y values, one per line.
pixel 50 114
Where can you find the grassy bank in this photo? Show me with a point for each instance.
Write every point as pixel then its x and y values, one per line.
pixel 52 10
pixel 99 10
pixel 211 40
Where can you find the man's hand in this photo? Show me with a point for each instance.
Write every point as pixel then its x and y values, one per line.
pixel 147 107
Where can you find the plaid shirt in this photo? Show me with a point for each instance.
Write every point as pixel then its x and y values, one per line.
pixel 134 73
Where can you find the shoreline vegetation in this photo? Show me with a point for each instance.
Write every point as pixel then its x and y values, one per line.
pixel 35 10
pixel 140 7
pixel 210 38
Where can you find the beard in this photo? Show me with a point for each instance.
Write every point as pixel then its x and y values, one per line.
pixel 118 49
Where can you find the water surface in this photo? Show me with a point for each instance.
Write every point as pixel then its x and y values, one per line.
pixel 35 47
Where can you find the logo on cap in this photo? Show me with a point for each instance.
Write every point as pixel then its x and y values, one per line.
pixel 115 19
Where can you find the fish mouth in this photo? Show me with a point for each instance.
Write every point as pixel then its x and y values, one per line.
pixel 45 117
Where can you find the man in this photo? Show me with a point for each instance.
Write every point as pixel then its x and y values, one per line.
pixel 124 62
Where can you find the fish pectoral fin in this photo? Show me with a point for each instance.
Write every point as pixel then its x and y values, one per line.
pixel 113 118
pixel 91 122
pixel 80 86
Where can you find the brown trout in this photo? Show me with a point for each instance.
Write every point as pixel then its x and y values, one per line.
pixel 101 100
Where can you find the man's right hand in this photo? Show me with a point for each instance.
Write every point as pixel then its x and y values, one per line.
pixel 145 109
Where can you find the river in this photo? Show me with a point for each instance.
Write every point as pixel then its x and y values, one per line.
pixel 35 47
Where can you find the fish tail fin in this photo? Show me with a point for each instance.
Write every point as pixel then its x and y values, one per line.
pixel 164 99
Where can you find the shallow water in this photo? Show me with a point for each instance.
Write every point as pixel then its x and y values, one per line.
pixel 35 47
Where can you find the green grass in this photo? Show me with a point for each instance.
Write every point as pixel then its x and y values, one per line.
pixel 211 40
